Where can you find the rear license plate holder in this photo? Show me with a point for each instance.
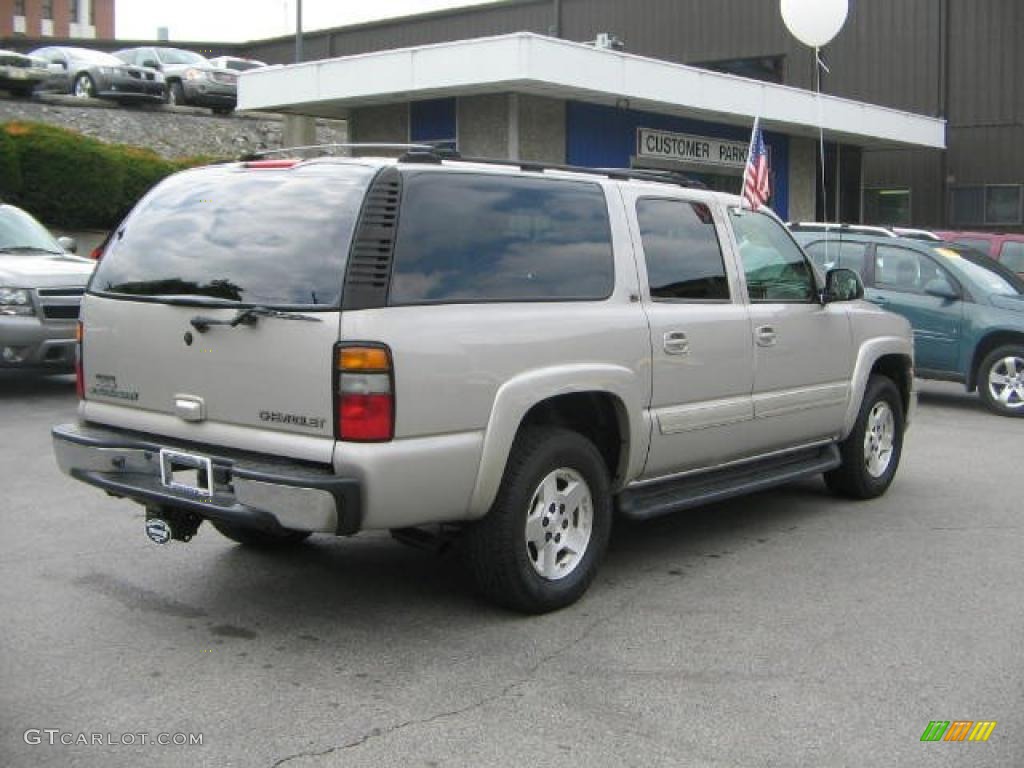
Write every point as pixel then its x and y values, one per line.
pixel 186 473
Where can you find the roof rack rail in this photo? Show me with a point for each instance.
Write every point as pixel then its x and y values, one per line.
pixel 437 155
pixel 257 154
pixel 818 226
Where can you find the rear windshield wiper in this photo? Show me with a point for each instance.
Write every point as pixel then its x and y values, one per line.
pixel 28 249
pixel 248 316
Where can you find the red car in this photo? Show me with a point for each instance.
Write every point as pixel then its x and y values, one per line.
pixel 1006 248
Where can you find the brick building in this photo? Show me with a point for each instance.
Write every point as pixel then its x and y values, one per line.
pixel 60 19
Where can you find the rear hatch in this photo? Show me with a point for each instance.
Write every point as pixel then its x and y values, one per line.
pixel 214 312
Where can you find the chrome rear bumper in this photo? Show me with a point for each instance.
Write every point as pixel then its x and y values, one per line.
pixel 259 492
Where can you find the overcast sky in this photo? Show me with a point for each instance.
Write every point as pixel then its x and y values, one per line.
pixel 239 20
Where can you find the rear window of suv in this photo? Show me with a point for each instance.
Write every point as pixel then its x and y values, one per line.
pixel 465 237
pixel 242 236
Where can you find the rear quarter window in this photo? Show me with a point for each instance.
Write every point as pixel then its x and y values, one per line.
pixel 465 237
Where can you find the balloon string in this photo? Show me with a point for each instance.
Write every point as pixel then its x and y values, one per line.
pixel 821 141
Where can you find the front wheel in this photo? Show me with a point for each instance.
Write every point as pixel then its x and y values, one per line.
pixel 84 87
pixel 253 537
pixel 871 453
pixel 540 545
pixel 175 94
pixel 1001 381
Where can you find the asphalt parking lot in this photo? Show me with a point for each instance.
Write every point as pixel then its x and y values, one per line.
pixel 785 629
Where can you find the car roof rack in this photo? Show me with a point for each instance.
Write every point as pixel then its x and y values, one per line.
pixel 819 226
pixel 437 155
pixel 260 153
pixel 428 153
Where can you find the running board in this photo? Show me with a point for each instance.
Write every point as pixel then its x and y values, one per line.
pixel 656 499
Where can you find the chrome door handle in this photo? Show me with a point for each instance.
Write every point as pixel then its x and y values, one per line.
pixel 766 336
pixel 675 343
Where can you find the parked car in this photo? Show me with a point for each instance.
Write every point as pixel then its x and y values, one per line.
pixel 499 354
pixel 94 74
pixel 1006 248
pixel 20 74
pixel 41 287
pixel 966 309
pixel 191 79
pixel 235 63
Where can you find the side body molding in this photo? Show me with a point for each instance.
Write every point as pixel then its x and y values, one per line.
pixel 869 352
pixel 518 395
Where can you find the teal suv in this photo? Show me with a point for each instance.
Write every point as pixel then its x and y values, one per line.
pixel 967 310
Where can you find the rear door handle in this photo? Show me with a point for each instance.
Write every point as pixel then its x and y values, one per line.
pixel 676 343
pixel 766 336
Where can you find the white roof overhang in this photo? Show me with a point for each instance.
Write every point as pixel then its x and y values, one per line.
pixel 533 64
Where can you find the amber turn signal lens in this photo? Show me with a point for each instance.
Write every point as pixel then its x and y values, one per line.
pixel 363 359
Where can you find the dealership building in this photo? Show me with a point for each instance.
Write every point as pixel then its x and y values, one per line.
pixel 536 98
pixel 960 61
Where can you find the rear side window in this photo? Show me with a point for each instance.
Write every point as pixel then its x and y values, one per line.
pixel 477 238
pixel 1012 255
pixel 833 254
pixel 681 249
pixel 268 237
pixel 974 242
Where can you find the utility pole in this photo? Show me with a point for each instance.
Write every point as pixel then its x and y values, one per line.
pixel 298 31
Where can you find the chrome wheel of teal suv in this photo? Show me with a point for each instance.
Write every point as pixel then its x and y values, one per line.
pixel 1001 381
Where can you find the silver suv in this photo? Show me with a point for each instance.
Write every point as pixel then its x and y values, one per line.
pixel 506 354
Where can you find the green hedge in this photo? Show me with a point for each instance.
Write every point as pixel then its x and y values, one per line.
pixel 10 168
pixel 69 180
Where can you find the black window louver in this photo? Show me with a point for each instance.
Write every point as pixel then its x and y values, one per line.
pixel 373 246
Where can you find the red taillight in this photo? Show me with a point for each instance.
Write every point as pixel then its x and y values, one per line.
pixel 79 375
pixel 364 393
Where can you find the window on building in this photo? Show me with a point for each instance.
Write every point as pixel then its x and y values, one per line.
pixel 470 237
pixel 681 249
pixel 887 207
pixel 47 11
pixel 776 269
pixel 1002 204
pixel 92 12
pixel 990 204
pixel 19 7
pixel 75 9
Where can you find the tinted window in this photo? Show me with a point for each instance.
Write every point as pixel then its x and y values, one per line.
pixel 774 265
pixel 475 237
pixel 992 276
pixel 19 231
pixel 907 271
pixel 684 259
pixel 832 254
pixel 1012 255
pixel 279 238
pixel 975 243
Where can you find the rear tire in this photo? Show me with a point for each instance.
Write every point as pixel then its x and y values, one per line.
pixel 540 546
pixel 871 453
pixel 1001 381
pixel 253 537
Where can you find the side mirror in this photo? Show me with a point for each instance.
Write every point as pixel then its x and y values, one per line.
pixel 842 285
pixel 69 244
pixel 941 289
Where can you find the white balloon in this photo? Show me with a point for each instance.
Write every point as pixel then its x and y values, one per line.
pixel 814 22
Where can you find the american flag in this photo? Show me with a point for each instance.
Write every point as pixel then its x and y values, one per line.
pixel 756 186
